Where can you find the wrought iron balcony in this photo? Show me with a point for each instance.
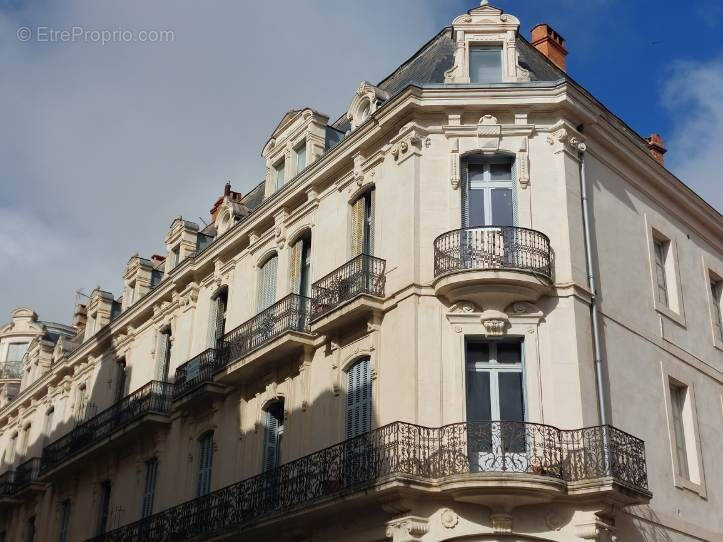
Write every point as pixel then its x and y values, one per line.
pixel 11 370
pixel 153 398
pixel 7 484
pixel 363 274
pixel 406 453
pixel 195 372
pixel 26 474
pixel 493 248
pixel 291 313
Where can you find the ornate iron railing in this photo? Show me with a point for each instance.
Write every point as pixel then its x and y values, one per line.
pixel 493 247
pixel 401 451
pixel 153 398
pixel 7 483
pixel 361 275
pixel 11 370
pixel 291 313
pixel 26 473
pixel 196 371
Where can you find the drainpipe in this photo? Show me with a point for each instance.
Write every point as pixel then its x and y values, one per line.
pixel 602 407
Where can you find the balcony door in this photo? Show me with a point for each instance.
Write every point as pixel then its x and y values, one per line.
pixel 488 195
pixel 301 266
pixel 362 225
pixel 495 406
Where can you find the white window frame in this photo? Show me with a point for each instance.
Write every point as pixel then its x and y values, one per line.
pixel 674 375
pixel 713 272
pixel 277 167
pixel 300 146
pixel 674 310
pixel 488 46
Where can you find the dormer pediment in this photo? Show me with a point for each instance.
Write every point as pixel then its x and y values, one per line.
pixel 367 99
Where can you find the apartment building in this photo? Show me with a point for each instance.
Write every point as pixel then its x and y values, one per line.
pixel 474 307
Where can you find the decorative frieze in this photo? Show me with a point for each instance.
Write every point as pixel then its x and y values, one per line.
pixel 407 529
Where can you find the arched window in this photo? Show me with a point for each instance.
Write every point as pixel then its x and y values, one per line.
pixel 266 294
pixel 362 224
pixel 488 192
pixel 358 398
pixel 301 265
pixel 217 318
pixel 205 463
pixel 273 435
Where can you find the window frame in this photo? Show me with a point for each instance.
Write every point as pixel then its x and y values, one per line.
pixel 204 473
pixel 713 273
pixel 65 514
pixel 298 148
pixel 674 310
pixel 103 507
pixel 279 166
pixel 149 488
pixel 486 46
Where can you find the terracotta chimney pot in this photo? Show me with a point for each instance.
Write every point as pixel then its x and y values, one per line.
pixel 550 43
pixel 657 148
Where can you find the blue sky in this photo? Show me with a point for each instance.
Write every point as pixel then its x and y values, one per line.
pixel 103 145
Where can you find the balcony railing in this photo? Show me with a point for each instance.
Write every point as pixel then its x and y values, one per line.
pixel 11 370
pixel 493 248
pixel 361 275
pixel 7 483
pixel 402 451
pixel 26 473
pixel 291 313
pixel 196 371
pixel 154 397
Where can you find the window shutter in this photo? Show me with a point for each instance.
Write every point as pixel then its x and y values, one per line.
pixel 213 323
pixel 296 263
pixel 359 399
pixel 205 464
pixel 267 284
pixel 149 489
pixel 369 233
pixel 357 227
pixel 220 316
pixel 162 356
pixel 465 196
pixel 271 443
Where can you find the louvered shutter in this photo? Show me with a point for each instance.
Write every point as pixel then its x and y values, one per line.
pixel 213 323
pixel 205 464
pixel 149 490
pixel 357 227
pixel 359 399
pixel 271 440
pixel 220 316
pixel 162 356
pixel 296 263
pixel 267 284
pixel 369 219
pixel 465 196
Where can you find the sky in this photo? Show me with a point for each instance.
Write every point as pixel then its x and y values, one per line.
pixel 105 138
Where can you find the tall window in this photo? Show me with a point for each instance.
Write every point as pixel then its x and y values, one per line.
pixel 120 379
pixel 488 195
pixel 26 440
pixel 217 318
pixel 485 64
pixel 300 152
pixel 130 294
pixel 358 398
pixel 279 172
pixel 661 253
pixel 30 530
pixel 175 256
pixel 48 426
pixel 149 488
pixel 267 284
pixel 81 403
pixel 64 520
pixel 163 355
pixel 12 450
pixel 273 435
pixel 716 295
pixel 103 507
pixel 16 351
pixel 362 225
pixel 301 265
pixel 205 463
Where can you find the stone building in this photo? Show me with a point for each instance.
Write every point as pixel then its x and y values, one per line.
pixel 474 307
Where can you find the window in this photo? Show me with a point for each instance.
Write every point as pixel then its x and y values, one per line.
pixel 64 520
pixel 661 250
pixel 81 402
pixel 279 172
pixel 130 294
pixel 358 398
pixel 365 112
pixel 300 152
pixel 149 489
pixel 16 351
pixel 163 355
pixel 488 194
pixel 30 530
pixel 716 307
pixel 13 449
pixel 48 429
pixel 120 379
pixel 91 324
pixel 26 440
pixel 677 401
pixel 103 507
pixel 301 265
pixel 273 435
pixel 217 318
pixel 485 64
pixel 205 463
pixel 267 284
pixel 362 225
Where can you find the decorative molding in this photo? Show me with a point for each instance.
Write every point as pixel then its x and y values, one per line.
pixel 489 133
pixel 564 138
pixel 501 523
pixel 407 529
pixel 464 307
pixel 366 94
pixel 408 142
pixel 448 518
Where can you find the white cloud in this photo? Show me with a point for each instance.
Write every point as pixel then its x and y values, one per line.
pixel 694 96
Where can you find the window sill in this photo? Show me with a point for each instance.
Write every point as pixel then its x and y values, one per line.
pixel 670 314
pixel 685 484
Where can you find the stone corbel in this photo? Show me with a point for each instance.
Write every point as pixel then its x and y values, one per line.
pixel 489 133
pixel 495 322
pixel 407 529
pixel 501 523
pixel 566 139
pixel 523 165
pixel 408 142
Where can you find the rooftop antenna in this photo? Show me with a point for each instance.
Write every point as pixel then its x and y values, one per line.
pixel 205 224
pixel 78 293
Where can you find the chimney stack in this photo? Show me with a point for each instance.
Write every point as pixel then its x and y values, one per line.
pixel 157 259
pixel 550 43
pixel 80 316
pixel 227 189
pixel 657 148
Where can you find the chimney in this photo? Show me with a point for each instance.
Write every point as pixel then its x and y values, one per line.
pixel 657 148
pixel 550 43
pixel 80 317
pixel 227 189
pixel 157 259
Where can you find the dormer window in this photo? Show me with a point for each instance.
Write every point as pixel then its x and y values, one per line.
pixel 365 112
pixel 485 64
pixel 279 172
pixel 130 294
pixel 300 153
pixel 175 256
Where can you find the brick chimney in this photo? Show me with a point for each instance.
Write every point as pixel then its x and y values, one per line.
pixel 550 43
pixel 657 148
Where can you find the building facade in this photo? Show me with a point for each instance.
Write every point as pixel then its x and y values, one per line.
pixel 475 307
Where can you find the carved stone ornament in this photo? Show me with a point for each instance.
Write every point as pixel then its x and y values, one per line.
pixel 554 520
pixel 464 307
pixel 407 529
pixel 494 322
pixel 448 518
pixel 501 523
pixel 489 133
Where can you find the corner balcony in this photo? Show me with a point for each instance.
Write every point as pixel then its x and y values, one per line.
pixel 148 405
pixel 492 266
pixel 349 292
pixel 11 370
pixel 276 332
pixel 500 464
